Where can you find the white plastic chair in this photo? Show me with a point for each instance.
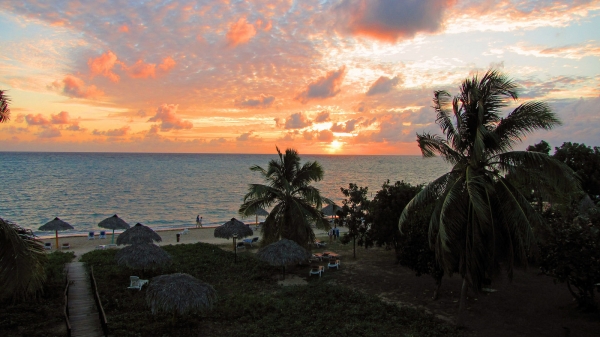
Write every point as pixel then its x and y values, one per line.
pixel 48 245
pixel 136 283
pixel 333 264
pixel 314 270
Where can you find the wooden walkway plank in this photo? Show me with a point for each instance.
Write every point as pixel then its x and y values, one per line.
pixel 83 314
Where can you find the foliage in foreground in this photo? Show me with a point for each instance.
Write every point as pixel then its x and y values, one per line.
pixel 42 316
pixel 250 303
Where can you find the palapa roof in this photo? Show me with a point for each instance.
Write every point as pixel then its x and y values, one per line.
pixel 138 234
pixel 56 225
pixel 113 222
pixel 283 252
pixel 331 209
pixel 261 212
pixel 231 227
pixel 179 293
pixel 143 256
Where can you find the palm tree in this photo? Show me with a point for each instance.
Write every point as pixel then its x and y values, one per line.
pixel 4 109
pixel 296 204
pixel 480 218
pixel 22 260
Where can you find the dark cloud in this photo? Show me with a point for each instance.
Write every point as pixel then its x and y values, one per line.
pixel 112 133
pixel 297 121
pixel 322 117
pixel 324 87
pixel 261 102
pixel 391 20
pixel 348 127
pixel 383 85
pixel 247 136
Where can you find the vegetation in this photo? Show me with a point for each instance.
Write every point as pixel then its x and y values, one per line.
pixel 353 214
pixel 296 204
pixel 585 161
pixel 43 315
pixel 22 260
pixel 4 109
pixel 480 219
pixel 250 303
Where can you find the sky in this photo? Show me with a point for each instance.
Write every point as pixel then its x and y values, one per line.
pixel 323 77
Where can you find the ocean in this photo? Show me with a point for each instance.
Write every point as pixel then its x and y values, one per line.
pixel 168 190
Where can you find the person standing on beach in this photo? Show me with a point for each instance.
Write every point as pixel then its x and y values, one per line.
pixel 200 222
pixel 197 220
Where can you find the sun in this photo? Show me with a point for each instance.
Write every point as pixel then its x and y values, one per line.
pixel 335 146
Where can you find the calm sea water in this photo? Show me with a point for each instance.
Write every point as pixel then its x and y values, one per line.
pixel 168 190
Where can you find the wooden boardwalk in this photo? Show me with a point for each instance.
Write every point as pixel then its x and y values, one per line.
pixel 83 314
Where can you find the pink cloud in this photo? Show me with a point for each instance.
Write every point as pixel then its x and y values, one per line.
pixel 36 119
pixel 261 102
pixel 167 64
pixel 103 65
pixel 324 87
pixel 240 32
pixel 124 29
pixel 391 20
pixel 76 88
pixel 142 70
pixel 166 115
pixel 61 118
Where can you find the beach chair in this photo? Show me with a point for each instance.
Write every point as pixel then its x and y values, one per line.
pixel 314 270
pixel 240 245
pixel 101 247
pixel 333 264
pixel 65 245
pixel 102 235
pixel 48 245
pixel 185 231
pixel 136 283
pixel 90 235
pixel 319 244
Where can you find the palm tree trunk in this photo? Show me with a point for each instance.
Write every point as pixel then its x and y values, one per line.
pixel 460 321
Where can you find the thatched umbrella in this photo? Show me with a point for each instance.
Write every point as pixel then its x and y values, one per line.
pixel 56 225
pixel 331 209
pixel 138 234
pixel 260 212
pixel 283 252
pixel 179 293
pixel 143 256
pixel 113 222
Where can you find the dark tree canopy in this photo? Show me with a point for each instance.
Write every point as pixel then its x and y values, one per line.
pixel 541 147
pixel 585 161
pixel 353 214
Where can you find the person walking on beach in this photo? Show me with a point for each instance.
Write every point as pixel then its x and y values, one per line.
pixel 198 221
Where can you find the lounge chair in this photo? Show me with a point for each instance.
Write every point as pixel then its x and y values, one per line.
pixel 102 235
pixel 333 264
pixel 111 245
pixel 320 244
pixel 48 245
pixel 240 245
pixel 185 231
pixel 65 245
pixel 316 270
pixel 136 283
pixel 101 247
pixel 90 235
pixel 251 241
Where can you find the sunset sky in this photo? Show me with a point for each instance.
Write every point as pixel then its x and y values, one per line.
pixel 323 77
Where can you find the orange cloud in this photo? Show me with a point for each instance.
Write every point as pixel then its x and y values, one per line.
pixel 167 64
pixel 124 29
pixel 103 65
pixel 75 87
pixel 324 87
pixel 112 133
pixel 142 70
pixel 240 32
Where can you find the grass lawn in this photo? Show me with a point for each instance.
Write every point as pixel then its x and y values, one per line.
pixel 42 316
pixel 250 303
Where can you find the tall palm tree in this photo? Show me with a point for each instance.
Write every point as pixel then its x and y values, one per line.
pixel 4 109
pixel 480 218
pixel 22 260
pixel 296 204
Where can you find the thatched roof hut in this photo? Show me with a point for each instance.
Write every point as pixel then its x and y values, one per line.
pixel 331 209
pixel 138 234
pixel 282 253
pixel 231 227
pixel 113 222
pixel 179 293
pixel 56 225
pixel 143 256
